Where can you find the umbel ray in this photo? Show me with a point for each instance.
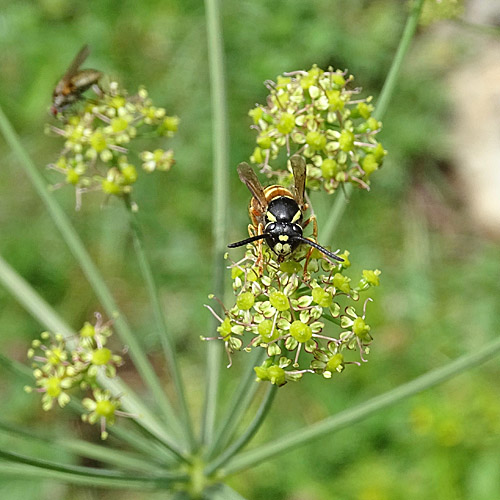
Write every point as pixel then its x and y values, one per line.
pixel 277 215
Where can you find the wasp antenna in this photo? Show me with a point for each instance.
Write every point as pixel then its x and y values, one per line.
pixel 320 248
pixel 248 240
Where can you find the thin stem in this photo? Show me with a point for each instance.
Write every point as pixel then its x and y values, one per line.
pixel 363 410
pixel 132 438
pixel 152 426
pixel 397 63
pixel 336 213
pixel 220 197
pixel 330 318
pixel 339 205
pixel 152 449
pixel 247 435
pixel 239 403
pixel 161 323
pixel 102 477
pixel 119 458
pixel 93 275
pixel 39 309
pixel 23 292
pixel 24 472
pixel 221 491
pixel 18 369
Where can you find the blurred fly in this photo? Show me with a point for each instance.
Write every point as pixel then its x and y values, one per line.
pixel 74 82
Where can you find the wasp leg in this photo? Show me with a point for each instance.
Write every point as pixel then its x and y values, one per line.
pixel 315 226
pixel 254 231
pixel 314 237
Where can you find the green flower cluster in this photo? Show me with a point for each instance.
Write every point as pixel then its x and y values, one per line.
pixel 102 408
pixel 96 153
pixel 62 364
pixel 289 312
pixel 316 114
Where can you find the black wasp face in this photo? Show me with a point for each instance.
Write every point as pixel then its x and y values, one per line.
pixel 283 224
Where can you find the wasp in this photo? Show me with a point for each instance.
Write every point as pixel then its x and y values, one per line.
pixel 277 215
pixel 74 82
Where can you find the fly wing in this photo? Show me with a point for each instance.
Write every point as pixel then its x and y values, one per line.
pixel 299 175
pixel 249 178
pixel 76 63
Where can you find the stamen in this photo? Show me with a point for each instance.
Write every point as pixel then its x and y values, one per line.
pixel 213 313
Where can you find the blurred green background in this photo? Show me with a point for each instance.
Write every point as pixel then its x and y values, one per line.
pixel 439 294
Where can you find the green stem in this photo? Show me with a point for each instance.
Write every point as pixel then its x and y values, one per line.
pixel 39 309
pixel 119 458
pixel 331 319
pixel 152 449
pixel 80 474
pixel 339 205
pixel 363 410
pixel 336 213
pixel 102 292
pixel 17 369
pixel 220 492
pixel 220 197
pixel 24 293
pixel 161 323
pixel 24 472
pixel 143 419
pixel 247 435
pixel 397 63
pixel 238 404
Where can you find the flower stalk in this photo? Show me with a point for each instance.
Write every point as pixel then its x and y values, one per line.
pixel 249 433
pixel 220 198
pixel 410 28
pixel 93 275
pixel 359 412
pixel 160 320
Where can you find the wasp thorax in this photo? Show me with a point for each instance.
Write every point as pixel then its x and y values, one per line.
pixel 283 209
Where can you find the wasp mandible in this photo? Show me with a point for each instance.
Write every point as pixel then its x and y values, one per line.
pixel 74 82
pixel 277 215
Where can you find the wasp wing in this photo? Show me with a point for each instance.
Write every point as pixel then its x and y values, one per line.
pixel 249 178
pixel 299 175
pixel 76 63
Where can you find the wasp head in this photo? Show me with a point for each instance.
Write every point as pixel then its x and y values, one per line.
pixel 282 237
